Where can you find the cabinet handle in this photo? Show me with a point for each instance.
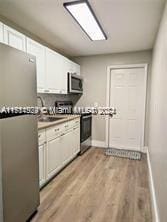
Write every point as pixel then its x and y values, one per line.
pixel 66 126
pixel 46 90
pixel 39 136
pixel 62 134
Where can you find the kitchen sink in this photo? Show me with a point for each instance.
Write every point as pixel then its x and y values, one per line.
pixel 49 118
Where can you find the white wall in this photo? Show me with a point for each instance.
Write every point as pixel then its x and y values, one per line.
pixel 158 118
pixel 94 71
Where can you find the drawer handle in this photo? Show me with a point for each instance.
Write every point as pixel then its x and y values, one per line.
pixel 56 130
pixel 46 90
pixel 66 126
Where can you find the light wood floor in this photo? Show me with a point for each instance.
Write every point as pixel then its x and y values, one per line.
pixel 97 188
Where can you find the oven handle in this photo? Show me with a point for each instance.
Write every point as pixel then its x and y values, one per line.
pixel 86 117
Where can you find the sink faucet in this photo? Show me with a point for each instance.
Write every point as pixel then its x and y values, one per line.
pixel 43 109
pixel 42 101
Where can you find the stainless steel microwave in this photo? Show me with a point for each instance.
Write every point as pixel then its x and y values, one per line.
pixel 75 83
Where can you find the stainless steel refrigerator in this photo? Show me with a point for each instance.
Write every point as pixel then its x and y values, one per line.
pixel 19 169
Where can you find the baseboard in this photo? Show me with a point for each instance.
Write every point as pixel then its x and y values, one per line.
pixel 98 143
pixel 155 213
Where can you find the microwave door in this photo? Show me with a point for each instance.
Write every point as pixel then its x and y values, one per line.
pixel 75 84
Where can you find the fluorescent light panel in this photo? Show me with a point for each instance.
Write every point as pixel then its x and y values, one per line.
pixel 82 12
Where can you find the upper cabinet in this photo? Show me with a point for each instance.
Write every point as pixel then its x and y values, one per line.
pixel 14 38
pixel 38 50
pixel 56 76
pixel 74 67
pixel 51 67
pixel 78 69
pixel 1 32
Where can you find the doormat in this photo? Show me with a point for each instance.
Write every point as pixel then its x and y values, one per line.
pixel 132 155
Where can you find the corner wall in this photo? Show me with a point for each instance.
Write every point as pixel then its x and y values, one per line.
pixel 94 72
pixel 158 119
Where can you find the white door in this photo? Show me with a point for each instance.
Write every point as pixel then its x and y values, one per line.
pixel 127 95
pixel 38 50
pixel 14 38
pixel 1 32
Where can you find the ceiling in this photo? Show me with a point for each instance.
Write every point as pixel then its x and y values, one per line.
pixel 130 25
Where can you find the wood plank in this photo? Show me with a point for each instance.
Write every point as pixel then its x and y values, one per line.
pixel 98 188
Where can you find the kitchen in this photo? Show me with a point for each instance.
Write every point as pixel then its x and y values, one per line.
pixel 93 147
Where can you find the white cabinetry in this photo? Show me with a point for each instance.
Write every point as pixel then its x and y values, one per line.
pixel 14 38
pixel 61 145
pixel 38 50
pixel 78 69
pixel 53 156
pixel 74 67
pixel 41 164
pixel 56 79
pixel 42 159
pixel 67 147
pixel 76 140
pixel 1 32
pixel 52 68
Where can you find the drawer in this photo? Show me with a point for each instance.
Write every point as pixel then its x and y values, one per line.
pixel 72 123
pixel 41 136
pixel 67 125
pixel 54 131
pixel 76 122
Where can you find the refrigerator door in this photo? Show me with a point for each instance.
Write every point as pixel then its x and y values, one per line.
pixel 1 199
pixel 18 78
pixel 20 170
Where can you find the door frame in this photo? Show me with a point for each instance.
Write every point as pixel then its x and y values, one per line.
pixel 126 66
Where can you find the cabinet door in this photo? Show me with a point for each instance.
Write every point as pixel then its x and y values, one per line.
pixel 66 69
pixel 42 164
pixel 67 147
pixel 54 72
pixel 76 140
pixel 74 67
pixel 53 156
pixel 78 69
pixel 38 50
pixel 1 32
pixel 14 38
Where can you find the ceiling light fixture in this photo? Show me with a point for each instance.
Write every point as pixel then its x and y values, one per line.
pixel 82 12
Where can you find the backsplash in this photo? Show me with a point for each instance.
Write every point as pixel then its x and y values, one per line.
pixel 50 99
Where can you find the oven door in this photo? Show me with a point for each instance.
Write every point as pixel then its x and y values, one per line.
pixel 75 83
pixel 86 127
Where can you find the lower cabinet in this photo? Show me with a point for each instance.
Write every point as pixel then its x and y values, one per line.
pixel 42 164
pixel 67 147
pixel 76 140
pixel 54 157
pixel 57 147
